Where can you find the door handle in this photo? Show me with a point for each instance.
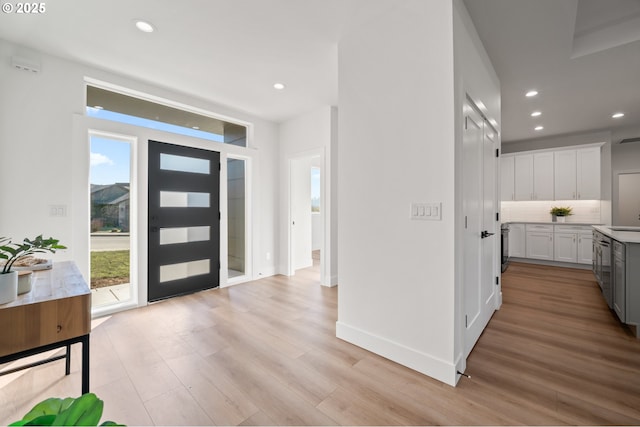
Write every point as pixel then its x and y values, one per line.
pixel 485 234
pixel 153 229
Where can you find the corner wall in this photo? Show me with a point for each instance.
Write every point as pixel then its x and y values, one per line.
pixel 396 133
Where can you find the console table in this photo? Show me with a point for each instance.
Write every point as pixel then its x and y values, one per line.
pixel 56 313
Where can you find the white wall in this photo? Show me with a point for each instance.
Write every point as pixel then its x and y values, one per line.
pixel 624 157
pixel 396 133
pixel 475 78
pixel 37 141
pixel 309 135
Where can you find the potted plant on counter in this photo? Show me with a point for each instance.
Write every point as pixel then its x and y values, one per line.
pixel 13 252
pixel 559 213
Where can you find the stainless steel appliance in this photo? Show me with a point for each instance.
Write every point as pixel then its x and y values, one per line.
pixel 504 245
pixel 602 265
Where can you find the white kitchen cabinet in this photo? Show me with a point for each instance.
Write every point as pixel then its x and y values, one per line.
pixel 517 241
pixel 507 179
pixel 565 175
pixel 577 174
pixel 573 243
pixel 585 247
pixel 539 241
pixel 588 173
pixel 543 176
pixel 565 247
pixel 523 177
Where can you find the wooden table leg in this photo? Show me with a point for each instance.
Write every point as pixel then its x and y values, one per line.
pixel 85 364
pixel 67 370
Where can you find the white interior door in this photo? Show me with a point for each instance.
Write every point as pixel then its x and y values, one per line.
pixel 480 237
pixel 301 226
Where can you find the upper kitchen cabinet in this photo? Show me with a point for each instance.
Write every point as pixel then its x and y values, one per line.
pixel 565 174
pixel 561 174
pixel 523 177
pixel 577 174
pixel 588 173
pixel 543 176
pixel 507 187
pixel 533 176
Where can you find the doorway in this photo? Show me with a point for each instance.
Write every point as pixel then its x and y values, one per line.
pixel 627 209
pixel 479 206
pixel 184 220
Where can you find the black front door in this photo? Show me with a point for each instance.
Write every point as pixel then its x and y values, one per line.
pixel 184 220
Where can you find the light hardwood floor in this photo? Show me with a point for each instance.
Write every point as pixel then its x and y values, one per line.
pixel 265 353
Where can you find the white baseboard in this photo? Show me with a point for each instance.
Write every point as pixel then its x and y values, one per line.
pixel 424 363
pixel 266 272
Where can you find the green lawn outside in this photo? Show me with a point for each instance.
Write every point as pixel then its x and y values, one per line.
pixel 109 268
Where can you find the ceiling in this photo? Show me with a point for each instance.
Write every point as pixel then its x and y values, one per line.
pixel 583 56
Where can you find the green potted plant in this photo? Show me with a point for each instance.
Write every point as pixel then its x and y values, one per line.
pixel 559 213
pixel 11 252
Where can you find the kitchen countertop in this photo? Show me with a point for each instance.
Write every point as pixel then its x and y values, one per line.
pixel 549 223
pixel 620 236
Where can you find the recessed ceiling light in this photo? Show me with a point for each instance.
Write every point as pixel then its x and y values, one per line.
pixel 531 93
pixel 617 115
pixel 539 128
pixel 144 26
pixel 536 114
pixel 279 86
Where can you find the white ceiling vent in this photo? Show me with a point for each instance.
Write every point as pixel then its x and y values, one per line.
pixel 25 64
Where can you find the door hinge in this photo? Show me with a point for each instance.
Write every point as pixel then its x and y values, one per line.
pixel 497 152
pixel 465 222
pixel 466 324
pixel 497 216
pixel 465 122
pixel 497 280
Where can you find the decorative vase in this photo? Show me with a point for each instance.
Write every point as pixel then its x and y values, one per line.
pixel 560 218
pixel 24 281
pixel 8 287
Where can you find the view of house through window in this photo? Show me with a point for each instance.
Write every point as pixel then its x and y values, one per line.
pixel 110 246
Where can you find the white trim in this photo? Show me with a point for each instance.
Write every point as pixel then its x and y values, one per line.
pixel 424 363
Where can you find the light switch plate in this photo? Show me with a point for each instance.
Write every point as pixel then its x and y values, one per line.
pixel 426 211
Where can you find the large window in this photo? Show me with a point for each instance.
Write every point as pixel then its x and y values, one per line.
pixel 114 106
pixel 110 178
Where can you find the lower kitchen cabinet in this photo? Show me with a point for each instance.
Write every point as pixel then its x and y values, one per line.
pixel 565 247
pixel 585 247
pixel 539 241
pixel 619 281
pixel 517 240
pixel 573 243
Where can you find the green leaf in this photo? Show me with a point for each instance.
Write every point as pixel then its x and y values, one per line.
pixel 85 410
pixel 44 420
pixel 111 423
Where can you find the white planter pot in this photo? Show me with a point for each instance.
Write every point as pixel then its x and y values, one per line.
pixel 560 218
pixel 8 287
pixel 24 281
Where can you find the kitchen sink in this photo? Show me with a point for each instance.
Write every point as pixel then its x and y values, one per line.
pixel 637 229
